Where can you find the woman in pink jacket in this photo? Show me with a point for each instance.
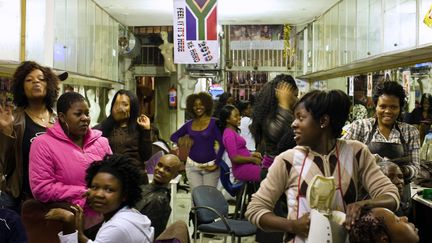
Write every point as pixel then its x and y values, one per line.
pixel 60 157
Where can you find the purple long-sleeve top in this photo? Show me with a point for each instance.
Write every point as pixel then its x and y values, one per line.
pixel 203 148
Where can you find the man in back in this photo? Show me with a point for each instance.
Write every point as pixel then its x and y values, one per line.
pixel 156 195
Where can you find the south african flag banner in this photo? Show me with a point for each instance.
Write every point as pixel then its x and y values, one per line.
pixel 195 32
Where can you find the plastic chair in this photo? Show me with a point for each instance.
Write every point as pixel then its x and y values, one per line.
pixel 211 211
pixel 225 174
pixel 151 163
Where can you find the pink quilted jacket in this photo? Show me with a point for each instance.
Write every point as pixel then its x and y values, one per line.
pixel 57 166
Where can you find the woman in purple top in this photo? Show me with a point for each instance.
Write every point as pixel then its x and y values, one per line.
pixel 200 135
pixel 246 165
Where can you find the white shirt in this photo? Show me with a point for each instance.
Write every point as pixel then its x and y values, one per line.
pixel 246 134
pixel 128 225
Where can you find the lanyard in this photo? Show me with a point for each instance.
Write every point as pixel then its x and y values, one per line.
pixel 339 178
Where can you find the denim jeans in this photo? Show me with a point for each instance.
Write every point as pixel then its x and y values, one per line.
pixel 7 201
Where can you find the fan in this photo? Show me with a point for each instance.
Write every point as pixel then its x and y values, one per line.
pixel 127 44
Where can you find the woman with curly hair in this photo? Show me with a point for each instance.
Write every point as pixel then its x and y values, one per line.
pixel 272 116
pixel 127 131
pixel 386 136
pixel 382 225
pixel 35 90
pixel 113 190
pixel 199 136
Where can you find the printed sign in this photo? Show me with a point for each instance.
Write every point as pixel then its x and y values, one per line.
pixel 351 85
pixel 195 32
pixel 369 85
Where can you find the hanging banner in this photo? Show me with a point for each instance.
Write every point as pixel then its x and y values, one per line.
pixel 195 32
pixel 351 85
pixel 369 85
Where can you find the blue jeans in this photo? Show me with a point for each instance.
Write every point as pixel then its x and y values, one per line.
pixel 7 201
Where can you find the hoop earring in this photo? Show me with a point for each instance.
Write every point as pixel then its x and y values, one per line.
pixel 67 128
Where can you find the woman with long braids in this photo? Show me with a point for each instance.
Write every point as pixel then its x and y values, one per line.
pixel 272 116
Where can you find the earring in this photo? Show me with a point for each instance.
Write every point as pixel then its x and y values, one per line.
pixel 67 128
pixel 322 126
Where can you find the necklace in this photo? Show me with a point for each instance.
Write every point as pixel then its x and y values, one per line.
pixel 43 117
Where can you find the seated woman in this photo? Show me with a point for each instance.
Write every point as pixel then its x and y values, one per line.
pixel 127 131
pixel 382 225
pixel 59 158
pixel 113 191
pixel 319 118
pixel 246 165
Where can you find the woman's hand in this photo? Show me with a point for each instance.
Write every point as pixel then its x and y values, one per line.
pixel 284 93
pixel 301 226
pixel 257 155
pixel 60 214
pixel 353 213
pixel 185 141
pixel 144 122
pixel 6 119
pixel 256 160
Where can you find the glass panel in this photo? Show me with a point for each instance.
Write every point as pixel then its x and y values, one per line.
pixel 98 44
pixel 35 29
pixel 300 50
pixel 71 35
pixel 309 48
pixel 318 43
pixel 362 28
pixel 351 30
pixel 334 37
pixel 343 32
pixel 10 17
pixel 60 34
pixel 104 45
pixel 374 27
pixel 347 28
pixel 81 37
pixel 90 38
pixel 425 32
pixel 399 24
pixel 115 30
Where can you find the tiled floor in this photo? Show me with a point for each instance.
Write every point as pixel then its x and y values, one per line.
pixel 182 207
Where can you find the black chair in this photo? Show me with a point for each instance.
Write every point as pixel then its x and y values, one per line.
pixel 211 211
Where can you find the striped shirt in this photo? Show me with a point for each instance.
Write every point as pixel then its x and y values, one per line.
pixel 360 130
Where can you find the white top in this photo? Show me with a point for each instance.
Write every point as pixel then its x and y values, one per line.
pixel 128 225
pixel 246 134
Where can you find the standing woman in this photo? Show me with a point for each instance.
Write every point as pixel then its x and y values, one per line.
pixel 127 131
pixel 421 117
pixel 60 157
pixel 200 135
pixel 272 117
pixel 35 90
pixel 386 136
pixel 246 166
pixel 317 127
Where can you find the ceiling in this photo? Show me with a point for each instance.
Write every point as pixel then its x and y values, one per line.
pixel 230 12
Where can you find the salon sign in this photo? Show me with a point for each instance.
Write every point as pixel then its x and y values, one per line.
pixel 195 32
